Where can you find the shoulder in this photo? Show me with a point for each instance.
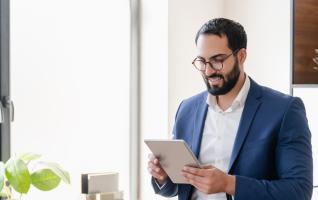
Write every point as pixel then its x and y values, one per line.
pixel 198 98
pixel 274 95
pixel 269 95
pixel 275 100
pixel 189 105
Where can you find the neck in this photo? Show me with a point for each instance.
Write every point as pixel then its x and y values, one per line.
pixel 225 101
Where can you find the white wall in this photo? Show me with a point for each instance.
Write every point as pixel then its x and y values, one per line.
pixel 268 27
pixel 310 99
pixel 185 19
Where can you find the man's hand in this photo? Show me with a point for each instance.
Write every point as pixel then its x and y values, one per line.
pixel 156 170
pixel 209 179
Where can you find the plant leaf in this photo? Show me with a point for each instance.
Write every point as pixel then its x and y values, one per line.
pixel 28 157
pixel 18 175
pixel 1 175
pixel 45 179
pixel 3 194
pixel 58 170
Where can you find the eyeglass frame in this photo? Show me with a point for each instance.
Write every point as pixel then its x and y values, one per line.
pixel 210 64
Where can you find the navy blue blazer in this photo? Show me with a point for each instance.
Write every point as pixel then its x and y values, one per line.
pixel 271 157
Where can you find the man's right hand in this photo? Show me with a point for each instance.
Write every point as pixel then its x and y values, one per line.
pixel 156 170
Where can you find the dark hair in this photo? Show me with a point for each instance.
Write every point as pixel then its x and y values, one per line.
pixel 234 32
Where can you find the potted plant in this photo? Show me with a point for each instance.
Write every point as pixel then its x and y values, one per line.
pixel 20 172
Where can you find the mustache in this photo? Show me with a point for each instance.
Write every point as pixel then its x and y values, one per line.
pixel 214 76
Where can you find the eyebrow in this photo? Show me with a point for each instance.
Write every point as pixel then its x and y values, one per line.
pixel 213 57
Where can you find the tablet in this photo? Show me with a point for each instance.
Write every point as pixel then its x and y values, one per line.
pixel 173 155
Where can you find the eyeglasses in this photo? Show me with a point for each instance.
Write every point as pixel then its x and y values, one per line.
pixel 216 64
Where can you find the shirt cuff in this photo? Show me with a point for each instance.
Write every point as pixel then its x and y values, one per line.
pixel 160 186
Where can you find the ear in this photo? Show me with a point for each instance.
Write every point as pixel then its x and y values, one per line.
pixel 241 56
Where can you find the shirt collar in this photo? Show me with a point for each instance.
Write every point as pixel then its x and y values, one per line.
pixel 239 101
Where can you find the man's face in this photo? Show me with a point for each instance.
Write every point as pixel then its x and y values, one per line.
pixel 214 49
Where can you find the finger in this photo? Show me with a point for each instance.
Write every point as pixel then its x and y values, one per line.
pixel 156 175
pixel 207 167
pixel 156 161
pixel 154 164
pixel 151 157
pixel 155 168
pixel 201 187
pixel 195 179
pixel 195 171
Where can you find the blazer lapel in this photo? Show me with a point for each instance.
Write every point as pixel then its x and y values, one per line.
pixel 199 121
pixel 251 105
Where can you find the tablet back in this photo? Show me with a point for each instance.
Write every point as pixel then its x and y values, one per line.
pixel 173 156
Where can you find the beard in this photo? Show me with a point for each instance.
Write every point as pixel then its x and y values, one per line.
pixel 228 83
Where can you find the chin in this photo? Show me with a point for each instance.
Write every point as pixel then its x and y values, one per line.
pixel 216 86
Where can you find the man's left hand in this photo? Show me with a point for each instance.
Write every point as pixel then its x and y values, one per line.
pixel 209 179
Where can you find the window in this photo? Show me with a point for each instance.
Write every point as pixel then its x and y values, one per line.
pixel 70 84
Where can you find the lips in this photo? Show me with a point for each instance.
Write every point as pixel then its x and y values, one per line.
pixel 215 80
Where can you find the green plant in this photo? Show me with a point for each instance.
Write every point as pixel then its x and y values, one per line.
pixel 20 172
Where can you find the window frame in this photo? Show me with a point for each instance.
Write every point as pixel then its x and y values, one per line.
pixel 5 79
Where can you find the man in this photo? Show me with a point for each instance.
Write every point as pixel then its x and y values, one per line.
pixel 254 142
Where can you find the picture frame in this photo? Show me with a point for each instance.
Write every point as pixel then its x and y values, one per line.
pixel 305 42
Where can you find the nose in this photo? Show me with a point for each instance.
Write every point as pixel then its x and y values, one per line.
pixel 209 70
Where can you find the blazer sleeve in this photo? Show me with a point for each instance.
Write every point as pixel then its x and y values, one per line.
pixel 169 189
pixel 294 164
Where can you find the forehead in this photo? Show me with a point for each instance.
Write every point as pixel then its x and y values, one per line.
pixel 209 45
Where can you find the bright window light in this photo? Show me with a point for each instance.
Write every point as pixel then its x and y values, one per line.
pixel 70 85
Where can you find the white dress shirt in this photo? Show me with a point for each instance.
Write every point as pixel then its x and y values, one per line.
pixel 219 135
